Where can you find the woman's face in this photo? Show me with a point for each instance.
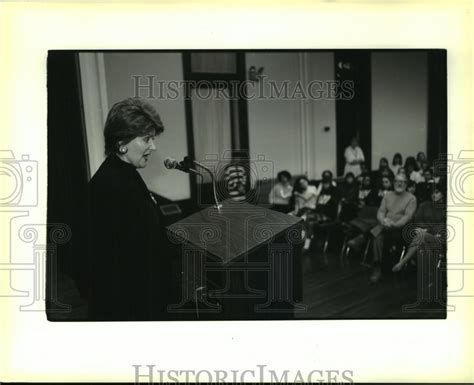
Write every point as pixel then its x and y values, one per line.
pixel 303 184
pixel 421 157
pixel 401 171
pixel 139 150
pixel 349 179
pixel 284 180
pixel 366 182
pixel 437 196
pixel 386 184
pixel 383 164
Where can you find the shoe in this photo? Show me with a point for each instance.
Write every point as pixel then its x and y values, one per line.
pixel 376 274
pixel 397 268
pixel 356 243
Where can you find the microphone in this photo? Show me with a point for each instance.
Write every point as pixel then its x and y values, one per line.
pixel 171 163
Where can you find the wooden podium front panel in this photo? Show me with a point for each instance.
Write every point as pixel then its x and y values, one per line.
pixel 240 264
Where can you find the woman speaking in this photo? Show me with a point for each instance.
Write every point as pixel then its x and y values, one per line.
pixel 126 268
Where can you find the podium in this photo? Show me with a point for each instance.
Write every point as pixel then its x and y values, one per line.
pixel 242 262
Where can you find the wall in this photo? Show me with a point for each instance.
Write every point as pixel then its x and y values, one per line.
pixel 399 104
pixel 118 69
pixel 290 133
pixel 322 113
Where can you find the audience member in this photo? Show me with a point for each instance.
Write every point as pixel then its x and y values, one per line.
pixel 430 219
pixel 395 211
pixel 281 192
pixel 305 197
pixel 354 157
pixel 397 162
pixel 327 202
pixel 412 169
pixel 420 158
pixel 349 198
pixel 383 170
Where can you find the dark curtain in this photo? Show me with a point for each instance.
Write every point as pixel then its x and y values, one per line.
pixel 437 105
pixel 354 116
pixel 67 163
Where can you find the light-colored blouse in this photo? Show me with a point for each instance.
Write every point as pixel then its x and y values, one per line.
pixel 395 168
pixel 351 154
pixel 280 194
pixel 306 199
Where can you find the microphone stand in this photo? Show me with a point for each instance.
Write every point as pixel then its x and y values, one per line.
pixel 218 206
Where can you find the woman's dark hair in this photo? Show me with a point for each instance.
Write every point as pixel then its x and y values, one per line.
pixel 296 186
pixel 128 119
pixel 386 176
pixel 327 174
pixel 441 187
pixel 366 175
pixel 383 159
pixel 283 174
pixel 349 174
pixel 410 183
pixel 418 156
pixel 410 161
pixel 398 158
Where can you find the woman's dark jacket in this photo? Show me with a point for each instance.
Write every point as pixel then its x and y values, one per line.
pixel 128 262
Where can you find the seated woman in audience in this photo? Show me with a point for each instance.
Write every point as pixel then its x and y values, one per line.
pixel 305 197
pixel 424 165
pixel 412 170
pixel 402 171
pixel 363 171
pixel 327 174
pixel 430 222
pixel 354 157
pixel 424 189
pixel 385 186
pixel 281 192
pixel 397 162
pixel 359 227
pixel 327 202
pixel 349 194
pixel 411 187
pixel 366 197
pixel 383 169
pixel 420 158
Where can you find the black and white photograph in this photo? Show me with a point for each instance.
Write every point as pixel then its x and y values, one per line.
pixel 236 192
pixel 248 184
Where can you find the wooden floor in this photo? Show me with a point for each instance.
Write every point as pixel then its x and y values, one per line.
pixel 330 291
pixel 333 291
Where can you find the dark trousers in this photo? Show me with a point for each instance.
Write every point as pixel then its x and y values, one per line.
pixel 384 238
